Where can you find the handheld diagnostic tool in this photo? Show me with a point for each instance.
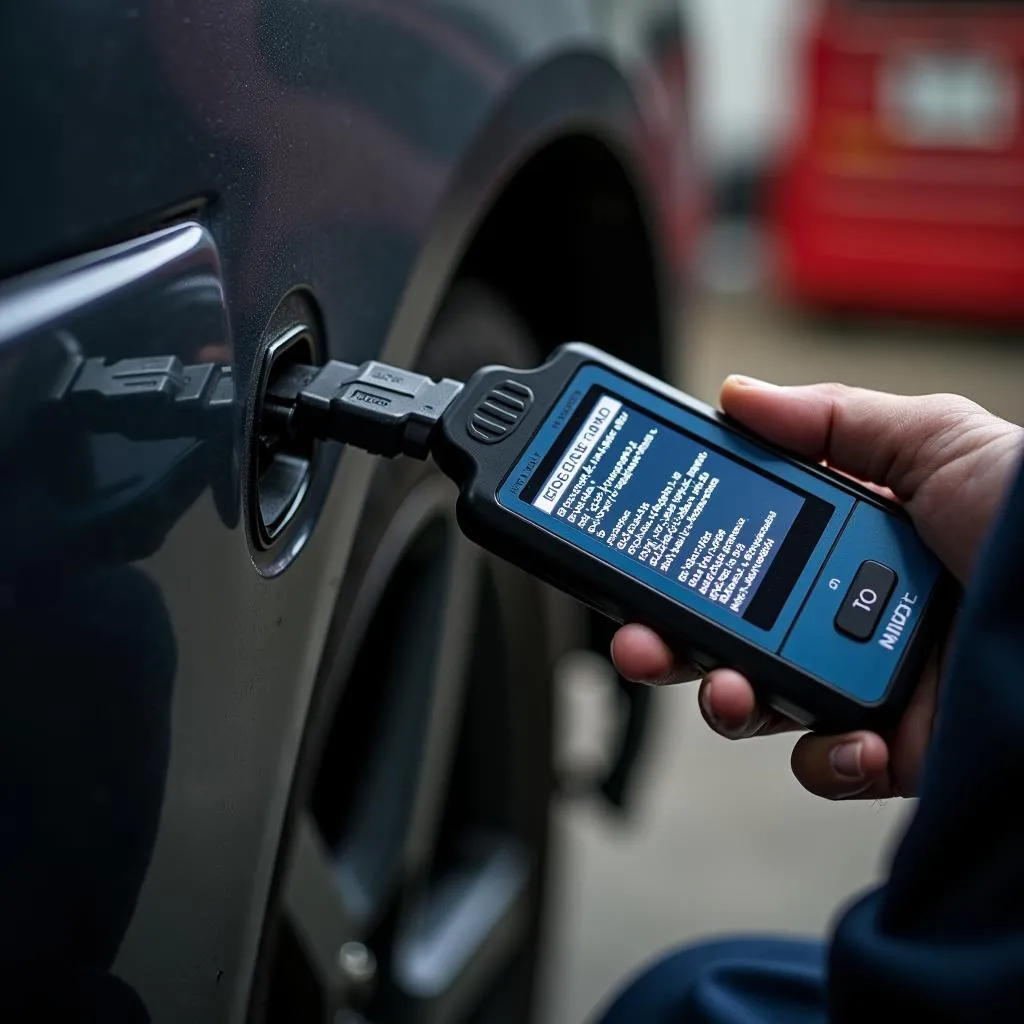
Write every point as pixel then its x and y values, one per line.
pixel 652 507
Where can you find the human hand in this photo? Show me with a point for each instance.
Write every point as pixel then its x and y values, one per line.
pixel 949 462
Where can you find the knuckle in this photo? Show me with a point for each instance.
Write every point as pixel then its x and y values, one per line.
pixel 836 391
pixel 947 425
pixel 947 411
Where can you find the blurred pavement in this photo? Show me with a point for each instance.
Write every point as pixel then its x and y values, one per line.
pixel 724 839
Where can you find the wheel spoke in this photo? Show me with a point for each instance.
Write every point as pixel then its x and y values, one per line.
pixel 450 673
pixel 462 933
pixel 422 675
pixel 317 908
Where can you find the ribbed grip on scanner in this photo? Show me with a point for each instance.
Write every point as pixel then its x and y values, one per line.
pixel 500 411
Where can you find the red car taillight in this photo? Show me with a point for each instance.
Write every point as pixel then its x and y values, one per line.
pixel 904 186
pixel 913 77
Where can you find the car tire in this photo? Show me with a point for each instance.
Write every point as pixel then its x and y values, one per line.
pixel 412 882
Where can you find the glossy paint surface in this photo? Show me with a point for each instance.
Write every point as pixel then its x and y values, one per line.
pixel 172 172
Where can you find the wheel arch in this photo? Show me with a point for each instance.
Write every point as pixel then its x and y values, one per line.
pixel 568 244
pixel 553 208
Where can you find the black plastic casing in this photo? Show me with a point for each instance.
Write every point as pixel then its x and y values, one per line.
pixel 480 467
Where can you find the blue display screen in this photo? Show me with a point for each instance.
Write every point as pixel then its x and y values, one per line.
pixel 711 529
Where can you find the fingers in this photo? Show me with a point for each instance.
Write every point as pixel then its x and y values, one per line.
pixel 726 698
pixel 729 706
pixel 835 767
pixel 891 440
pixel 844 767
pixel 641 656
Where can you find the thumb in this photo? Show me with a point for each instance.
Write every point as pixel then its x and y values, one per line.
pixel 925 449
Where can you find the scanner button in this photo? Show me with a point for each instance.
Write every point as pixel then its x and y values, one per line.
pixel 865 600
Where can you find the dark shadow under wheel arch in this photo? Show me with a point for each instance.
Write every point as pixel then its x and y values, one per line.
pixel 570 246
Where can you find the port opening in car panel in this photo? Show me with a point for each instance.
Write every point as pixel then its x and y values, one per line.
pixel 282 466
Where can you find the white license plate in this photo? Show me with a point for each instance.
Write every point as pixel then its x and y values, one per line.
pixel 933 100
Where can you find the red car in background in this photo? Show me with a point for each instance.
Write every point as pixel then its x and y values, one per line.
pixel 902 189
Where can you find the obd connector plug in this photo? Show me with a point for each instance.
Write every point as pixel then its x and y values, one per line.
pixel 382 409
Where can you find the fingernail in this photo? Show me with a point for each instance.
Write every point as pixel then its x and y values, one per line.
pixel 753 724
pixel 845 760
pixel 653 680
pixel 750 382
pixel 748 727
pixel 704 697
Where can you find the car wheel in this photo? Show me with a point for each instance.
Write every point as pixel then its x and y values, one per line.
pixel 411 884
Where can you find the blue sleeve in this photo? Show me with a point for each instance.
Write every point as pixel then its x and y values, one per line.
pixel 943 940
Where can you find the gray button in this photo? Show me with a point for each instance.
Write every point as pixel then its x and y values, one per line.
pixel 865 600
